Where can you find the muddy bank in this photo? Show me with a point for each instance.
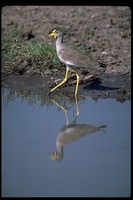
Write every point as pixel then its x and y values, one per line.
pixel 117 87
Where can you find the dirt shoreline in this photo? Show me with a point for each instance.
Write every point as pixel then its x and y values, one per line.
pixel 104 30
pixel 116 87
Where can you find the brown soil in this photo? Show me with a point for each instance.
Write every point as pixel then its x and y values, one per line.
pixel 104 30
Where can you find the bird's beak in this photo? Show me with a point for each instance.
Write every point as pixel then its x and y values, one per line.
pixel 53 34
pixel 53 156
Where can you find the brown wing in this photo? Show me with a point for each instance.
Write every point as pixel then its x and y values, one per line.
pixel 76 58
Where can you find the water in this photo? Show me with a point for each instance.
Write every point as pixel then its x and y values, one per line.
pixel 55 148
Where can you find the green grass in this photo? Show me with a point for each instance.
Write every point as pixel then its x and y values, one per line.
pixel 16 51
pixel 37 99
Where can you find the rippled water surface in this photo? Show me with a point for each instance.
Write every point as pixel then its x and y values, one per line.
pixel 61 147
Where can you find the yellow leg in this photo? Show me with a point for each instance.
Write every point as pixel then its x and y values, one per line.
pixel 65 111
pixel 77 106
pixel 76 90
pixel 65 79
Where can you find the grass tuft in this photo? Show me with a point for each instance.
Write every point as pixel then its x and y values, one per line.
pixel 16 51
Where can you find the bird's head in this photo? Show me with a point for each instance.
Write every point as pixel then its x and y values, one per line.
pixel 56 33
pixel 56 156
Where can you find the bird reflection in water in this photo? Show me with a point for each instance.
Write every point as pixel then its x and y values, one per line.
pixel 71 132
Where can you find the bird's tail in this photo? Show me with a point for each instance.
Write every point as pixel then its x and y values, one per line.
pixel 103 126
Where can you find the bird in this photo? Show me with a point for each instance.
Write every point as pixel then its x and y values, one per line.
pixel 70 57
pixel 71 132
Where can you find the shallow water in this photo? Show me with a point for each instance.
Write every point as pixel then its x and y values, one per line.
pixel 56 148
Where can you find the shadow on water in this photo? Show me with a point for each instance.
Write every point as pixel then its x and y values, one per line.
pixel 71 132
